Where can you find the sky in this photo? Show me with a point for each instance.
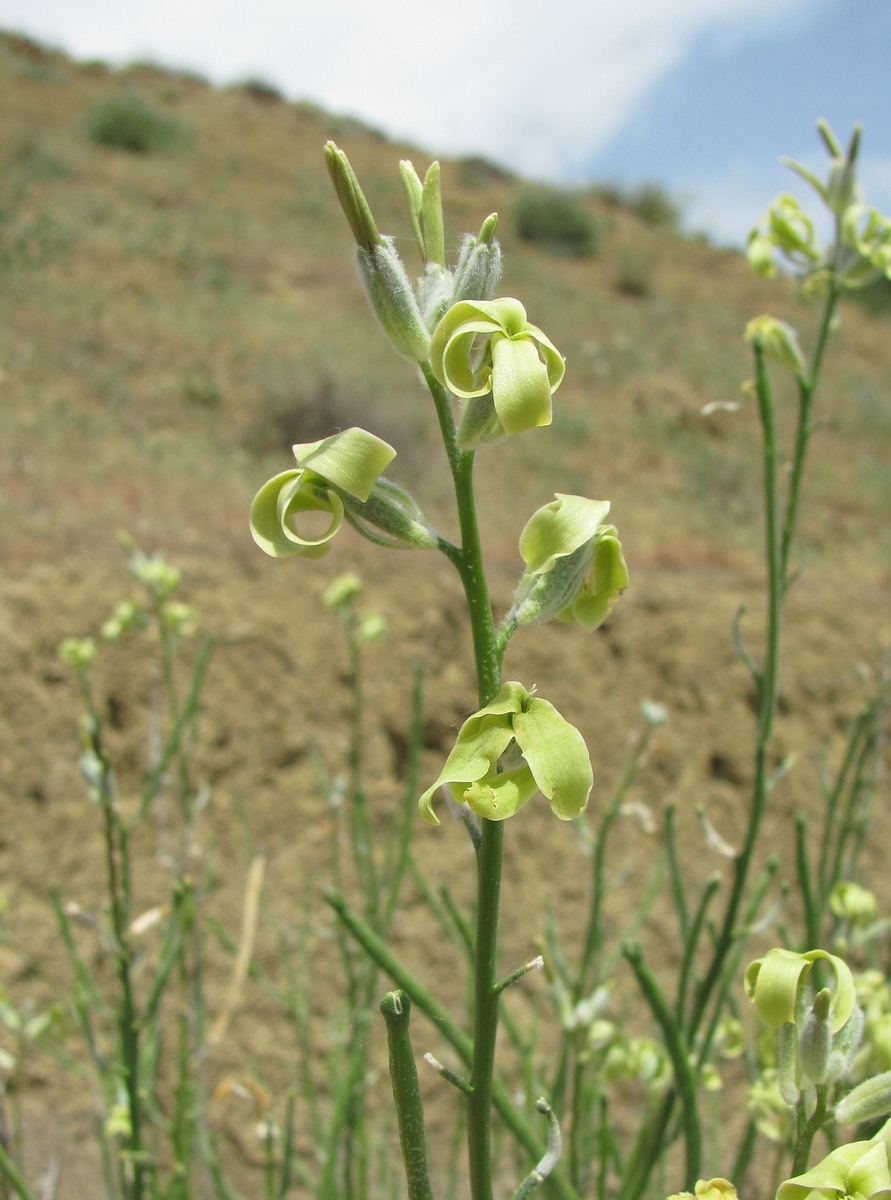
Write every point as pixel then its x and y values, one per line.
pixel 702 96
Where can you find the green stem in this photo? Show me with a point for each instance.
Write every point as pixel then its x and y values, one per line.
pixel 396 1010
pixel 808 1131
pixel 806 389
pixel 378 950
pixel 684 1074
pixel 469 563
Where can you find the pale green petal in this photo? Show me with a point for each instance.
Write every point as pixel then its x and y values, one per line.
pixel 458 375
pixel 459 314
pixel 481 742
pixel 844 994
pixel 560 528
pixel 557 756
pixel 274 511
pixel 772 984
pixel 520 386
pixel 500 794
pixel 553 359
pixel 869 1175
pixel 606 583
pixel 352 460
pixel 828 1178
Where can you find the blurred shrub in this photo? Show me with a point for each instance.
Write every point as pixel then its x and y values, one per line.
pixel 652 203
pixel 475 171
pixel 635 274
pixel 127 123
pixel 555 221
pixel 261 90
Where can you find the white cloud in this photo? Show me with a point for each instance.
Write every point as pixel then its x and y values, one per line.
pixel 543 88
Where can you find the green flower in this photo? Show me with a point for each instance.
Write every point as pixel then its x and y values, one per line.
pixel 507 751
pixel 575 568
pixel 779 342
pixel 349 462
pixel 774 984
pixel 709 1189
pixel 505 369
pixel 858 1171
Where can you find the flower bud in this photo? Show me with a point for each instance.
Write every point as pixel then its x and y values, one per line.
pixel 125 615
pixel 77 653
pixel 393 300
pixel 759 252
pixel 342 590
pixel 478 268
pixel 778 341
pixel 425 209
pixel 392 511
pixel 845 1043
pixel 868 1100
pixel 372 627
pixel 853 903
pixel 352 198
pixel 709 1189
pixel 815 1042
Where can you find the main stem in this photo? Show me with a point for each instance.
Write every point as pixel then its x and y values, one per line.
pixel 469 562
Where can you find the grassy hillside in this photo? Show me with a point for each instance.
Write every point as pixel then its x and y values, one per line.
pixel 196 307
pixel 174 318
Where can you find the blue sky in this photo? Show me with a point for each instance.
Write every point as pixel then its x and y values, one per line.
pixel 700 95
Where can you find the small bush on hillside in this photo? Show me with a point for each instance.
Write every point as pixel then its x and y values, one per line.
pixel 652 203
pixel 261 90
pixel 127 123
pixel 475 171
pixel 554 220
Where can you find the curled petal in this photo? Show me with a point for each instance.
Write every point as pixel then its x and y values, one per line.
pixel 352 460
pixel 559 529
pixel 606 582
pixel 499 794
pixel 276 507
pixel 457 369
pixel 480 743
pixel 772 983
pixel 550 356
pixel 858 1169
pixel 557 756
pixel 521 387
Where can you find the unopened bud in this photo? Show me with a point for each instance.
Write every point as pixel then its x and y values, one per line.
pixel 778 341
pixel 390 517
pixel 868 1100
pixel 77 653
pixel 815 1043
pixel 352 198
pixel 479 265
pixel 393 301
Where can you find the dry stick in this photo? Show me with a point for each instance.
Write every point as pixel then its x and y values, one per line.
pixel 249 916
